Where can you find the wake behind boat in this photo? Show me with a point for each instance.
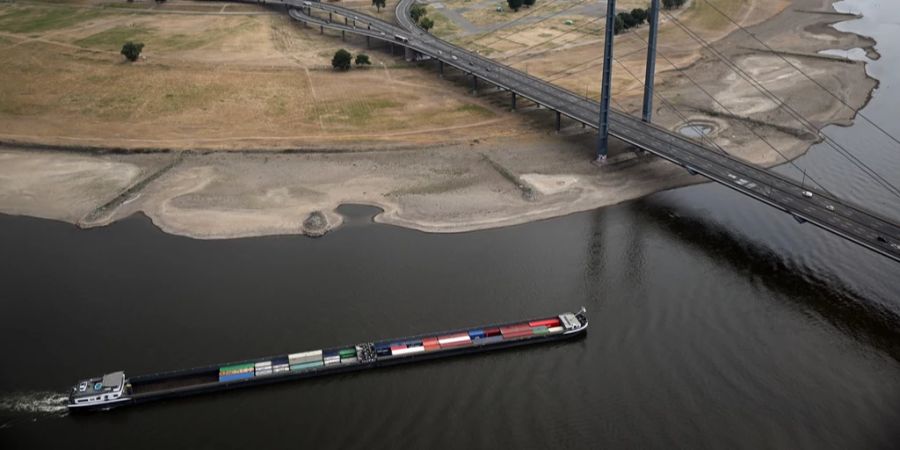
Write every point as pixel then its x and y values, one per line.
pixel 115 389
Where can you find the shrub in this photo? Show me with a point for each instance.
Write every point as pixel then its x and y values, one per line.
pixel 132 50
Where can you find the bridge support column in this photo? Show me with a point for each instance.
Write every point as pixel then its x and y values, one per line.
pixel 343 35
pixel 329 17
pixel 474 84
pixel 650 75
pixel 367 42
pixel 513 101
pixel 603 139
pixel 346 21
pixel 558 121
pixel 441 68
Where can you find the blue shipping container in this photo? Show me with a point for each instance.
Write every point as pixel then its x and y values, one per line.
pixel 237 376
pixel 489 340
pixel 476 334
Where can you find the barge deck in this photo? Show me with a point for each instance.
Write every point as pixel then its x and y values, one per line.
pixel 115 389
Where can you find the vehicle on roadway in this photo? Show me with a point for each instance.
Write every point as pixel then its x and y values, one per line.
pixel 807 194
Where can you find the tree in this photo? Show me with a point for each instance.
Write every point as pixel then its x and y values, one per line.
pixel 342 59
pixel 627 20
pixel 132 51
pixel 378 4
pixel 673 4
pixel 514 4
pixel 620 25
pixel 417 12
pixel 426 23
pixel 528 3
pixel 639 15
pixel 362 59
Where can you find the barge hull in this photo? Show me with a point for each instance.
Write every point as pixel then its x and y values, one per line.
pixel 180 377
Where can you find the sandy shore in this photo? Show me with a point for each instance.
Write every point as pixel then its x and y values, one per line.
pixel 460 186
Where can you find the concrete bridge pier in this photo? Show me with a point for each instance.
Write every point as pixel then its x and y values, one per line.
pixel 409 54
pixel 367 42
pixel 558 121
pixel 343 35
pixel 321 29
pixel 441 68
pixel 513 100
pixel 474 84
pixel 329 17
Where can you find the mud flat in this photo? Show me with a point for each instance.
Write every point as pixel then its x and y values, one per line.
pixel 467 175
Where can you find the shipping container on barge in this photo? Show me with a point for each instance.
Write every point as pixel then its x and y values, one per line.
pixel 115 389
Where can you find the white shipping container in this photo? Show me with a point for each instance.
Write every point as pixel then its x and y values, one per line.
pixel 351 360
pixel 454 340
pixel 302 357
pixel 263 372
pixel 407 351
pixel 263 364
pixel 554 330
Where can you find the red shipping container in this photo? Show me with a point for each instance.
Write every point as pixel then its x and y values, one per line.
pixel 488 332
pixel 545 323
pixel 457 344
pixel 430 341
pixel 432 347
pixel 515 329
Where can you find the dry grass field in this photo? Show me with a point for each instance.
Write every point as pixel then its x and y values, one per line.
pixel 211 80
pixel 559 41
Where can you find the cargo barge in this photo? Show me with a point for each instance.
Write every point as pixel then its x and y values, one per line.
pixel 115 389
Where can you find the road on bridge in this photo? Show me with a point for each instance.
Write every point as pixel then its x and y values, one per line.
pixel 803 203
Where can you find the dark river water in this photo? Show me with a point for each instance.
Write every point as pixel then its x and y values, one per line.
pixel 716 322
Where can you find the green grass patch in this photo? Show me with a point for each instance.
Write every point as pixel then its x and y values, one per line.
pixel 40 19
pixel 353 113
pixel 707 16
pixel 179 98
pixel 477 110
pixel 443 27
pixel 113 38
pixel 441 187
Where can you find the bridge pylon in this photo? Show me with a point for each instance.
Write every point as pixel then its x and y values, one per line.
pixel 603 139
pixel 650 75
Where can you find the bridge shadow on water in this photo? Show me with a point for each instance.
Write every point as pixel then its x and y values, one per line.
pixel 835 302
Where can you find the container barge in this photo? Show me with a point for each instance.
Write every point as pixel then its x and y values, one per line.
pixel 115 389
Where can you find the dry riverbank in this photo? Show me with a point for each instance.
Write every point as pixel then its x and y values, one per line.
pixel 510 169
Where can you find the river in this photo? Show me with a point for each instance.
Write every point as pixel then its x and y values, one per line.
pixel 716 322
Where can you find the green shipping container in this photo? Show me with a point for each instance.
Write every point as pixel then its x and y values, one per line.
pixel 305 366
pixel 237 368
pixel 347 352
pixel 540 330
